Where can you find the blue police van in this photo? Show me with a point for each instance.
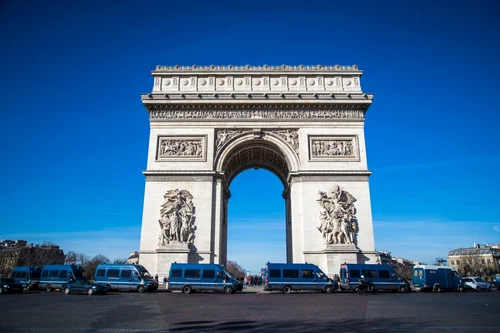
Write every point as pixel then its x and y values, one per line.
pixel 125 277
pixel 28 276
pixel 288 277
pixel 202 277
pixel 383 276
pixel 54 276
pixel 437 278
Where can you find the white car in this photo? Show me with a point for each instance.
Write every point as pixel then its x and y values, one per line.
pixel 476 283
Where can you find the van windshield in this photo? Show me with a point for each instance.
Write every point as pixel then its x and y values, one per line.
pixel 143 271
pixel 320 275
pixel 227 273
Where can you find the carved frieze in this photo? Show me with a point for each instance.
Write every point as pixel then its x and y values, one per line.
pixel 171 114
pixel 337 220
pixel 181 148
pixel 176 218
pixel 195 68
pixel 333 148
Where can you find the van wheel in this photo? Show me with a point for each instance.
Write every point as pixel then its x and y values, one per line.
pixel 328 289
pixel 403 289
pixel 108 287
pixel 461 288
pixel 140 289
pixel 437 289
pixel 49 287
pixel 67 291
pixel 228 290
pixel 287 289
pixel 90 291
pixel 186 289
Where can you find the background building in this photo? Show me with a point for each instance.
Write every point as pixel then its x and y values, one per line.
pixel 478 260
pixel 402 266
pixel 18 253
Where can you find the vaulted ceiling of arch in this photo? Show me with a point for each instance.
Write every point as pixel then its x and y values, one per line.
pixel 257 155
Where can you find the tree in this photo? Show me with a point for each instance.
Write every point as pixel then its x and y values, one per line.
pixel 91 265
pixel 236 270
pixel 70 258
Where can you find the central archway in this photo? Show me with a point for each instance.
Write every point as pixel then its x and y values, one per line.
pixel 244 150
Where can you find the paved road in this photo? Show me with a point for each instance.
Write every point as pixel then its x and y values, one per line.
pixel 250 311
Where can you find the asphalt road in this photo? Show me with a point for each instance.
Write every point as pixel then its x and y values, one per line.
pixel 250 311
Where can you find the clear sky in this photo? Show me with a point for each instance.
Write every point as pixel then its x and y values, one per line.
pixel 75 135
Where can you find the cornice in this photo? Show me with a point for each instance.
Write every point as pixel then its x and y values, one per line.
pixel 248 68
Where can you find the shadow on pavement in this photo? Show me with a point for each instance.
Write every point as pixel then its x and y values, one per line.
pixel 351 325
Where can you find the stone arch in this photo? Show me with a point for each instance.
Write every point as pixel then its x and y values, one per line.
pixel 249 150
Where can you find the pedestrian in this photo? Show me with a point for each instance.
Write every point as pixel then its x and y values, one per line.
pixel 156 278
pixel 165 282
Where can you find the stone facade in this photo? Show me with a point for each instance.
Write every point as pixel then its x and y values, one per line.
pixel 304 123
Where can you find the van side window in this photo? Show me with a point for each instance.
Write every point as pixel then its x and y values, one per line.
pixel 113 273
pixel 307 273
pixel 370 274
pixel 383 274
pixel 126 273
pixel 275 273
pixel 23 275
pixel 192 273
pixel 63 273
pixel 176 273
pixel 100 273
pixel 291 273
pixel 355 273
pixel 54 273
pixel 45 273
pixel 209 274
pixel 14 275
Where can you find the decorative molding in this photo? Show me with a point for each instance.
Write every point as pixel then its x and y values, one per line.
pixel 180 178
pixel 181 148
pixel 223 136
pixel 333 148
pixel 228 96
pixel 212 68
pixel 338 223
pixel 177 220
pixel 340 177
pixel 166 114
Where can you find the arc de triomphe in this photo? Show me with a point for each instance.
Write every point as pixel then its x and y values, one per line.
pixel 303 123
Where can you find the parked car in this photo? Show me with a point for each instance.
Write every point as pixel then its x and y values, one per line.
pixel 203 277
pixel 383 276
pixel 54 276
pixel 288 277
pixel 476 283
pixel 496 282
pixel 28 276
pixel 437 278
pixel 125 277
pixel 9 285
pixel 83 286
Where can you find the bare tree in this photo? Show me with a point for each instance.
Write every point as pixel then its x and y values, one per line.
pixel 70 258
pixel 91 265
pixel 81 259
pixel 236 270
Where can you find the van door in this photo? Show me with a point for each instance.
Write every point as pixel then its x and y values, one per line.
pixel 418 277
pixel 209 281
pixel 309 280
pixel 192 277
pixel 113 276
pixel 126 279
pixel 384 280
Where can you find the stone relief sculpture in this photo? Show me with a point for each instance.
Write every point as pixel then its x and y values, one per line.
pixel 332 148
pixel 249 114
pixel 180 147
pixel 338 223
pixel 177 218
pixel 225 135
pixel 290 136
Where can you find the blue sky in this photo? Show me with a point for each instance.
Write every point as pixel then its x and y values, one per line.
pixel 74 133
